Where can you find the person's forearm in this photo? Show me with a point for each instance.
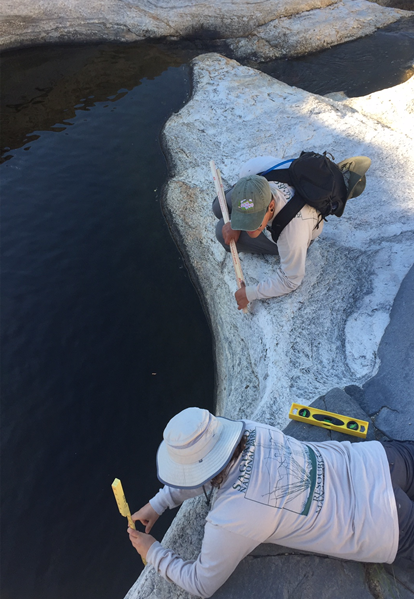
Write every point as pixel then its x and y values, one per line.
pixel 174 569
pixel 292 246
pixel 168 497
pixel 216 204
pixel 220 554
pixel 275 286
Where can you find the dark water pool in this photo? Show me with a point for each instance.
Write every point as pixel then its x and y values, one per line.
pixel 103 336
pixel 357 68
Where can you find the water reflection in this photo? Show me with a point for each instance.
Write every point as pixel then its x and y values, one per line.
pixel 44 88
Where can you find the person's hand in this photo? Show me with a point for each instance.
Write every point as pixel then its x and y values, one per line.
pixel 147 516
pixel 241 297
pixel 141 541
pixel 229 234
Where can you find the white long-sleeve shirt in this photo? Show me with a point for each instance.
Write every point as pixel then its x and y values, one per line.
pixel 294 240
pixel 322 497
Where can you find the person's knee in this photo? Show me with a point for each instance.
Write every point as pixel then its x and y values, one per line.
pixel 216 204
pixel 405 512
pixel 216 208
pixel 219 234
pixel 400 456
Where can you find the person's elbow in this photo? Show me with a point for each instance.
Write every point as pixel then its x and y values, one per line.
pixel 204 587
pixel 292 283
pixel 292 278
pixel 277 286
pixel 205 577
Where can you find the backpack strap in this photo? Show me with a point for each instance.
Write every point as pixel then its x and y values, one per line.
pixel 283 218
pixel 276 166
pixel 282 175
pixel 293 206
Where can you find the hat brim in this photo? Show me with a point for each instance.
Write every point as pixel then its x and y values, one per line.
pixel 247 222
pixel 191 476
pixel 357 166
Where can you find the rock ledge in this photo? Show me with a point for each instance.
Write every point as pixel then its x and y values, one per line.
pixel 328 332
pixel 263 28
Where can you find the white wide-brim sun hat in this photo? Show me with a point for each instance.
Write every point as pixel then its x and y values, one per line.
pixel 196 447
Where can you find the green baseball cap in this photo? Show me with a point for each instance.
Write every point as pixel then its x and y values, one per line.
pixel 250 200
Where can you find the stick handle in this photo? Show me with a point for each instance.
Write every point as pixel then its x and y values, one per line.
pixel 220 191
pixel 131 523
pixel 225 213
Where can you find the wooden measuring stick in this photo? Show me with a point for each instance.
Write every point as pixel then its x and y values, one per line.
pixel 225 213
pixel 123 506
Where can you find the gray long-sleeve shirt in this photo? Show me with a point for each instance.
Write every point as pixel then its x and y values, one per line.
pixel 327 498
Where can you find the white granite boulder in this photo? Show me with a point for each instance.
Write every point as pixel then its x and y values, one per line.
pixel 313 30
pixel 325 334
pixel 268 28
pixel 392 107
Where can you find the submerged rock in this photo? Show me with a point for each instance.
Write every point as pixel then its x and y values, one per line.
pixel 325 334
pixel 269 28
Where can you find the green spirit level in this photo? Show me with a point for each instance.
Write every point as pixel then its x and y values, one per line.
pixel 330 420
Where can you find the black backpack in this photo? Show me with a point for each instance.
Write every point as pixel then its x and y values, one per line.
pixel 317 181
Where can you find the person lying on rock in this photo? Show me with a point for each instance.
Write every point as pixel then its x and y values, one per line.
pixel 255 202
pixel 347 500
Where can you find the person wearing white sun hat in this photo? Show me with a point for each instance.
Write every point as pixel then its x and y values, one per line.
pixel 196 447
pixel 265 487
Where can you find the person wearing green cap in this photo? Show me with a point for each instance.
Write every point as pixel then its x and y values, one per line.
pixel 254 202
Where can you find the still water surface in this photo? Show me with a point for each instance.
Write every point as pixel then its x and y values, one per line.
pixel 103 336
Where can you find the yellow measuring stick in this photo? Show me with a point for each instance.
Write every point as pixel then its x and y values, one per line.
pixel 330 420
pixel 123 506
pixel 121 501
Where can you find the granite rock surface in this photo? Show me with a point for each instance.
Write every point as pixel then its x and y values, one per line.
pixel 388 396
pixel 327 333
pixel 264 28
pixel 347 327
pixel 392 107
